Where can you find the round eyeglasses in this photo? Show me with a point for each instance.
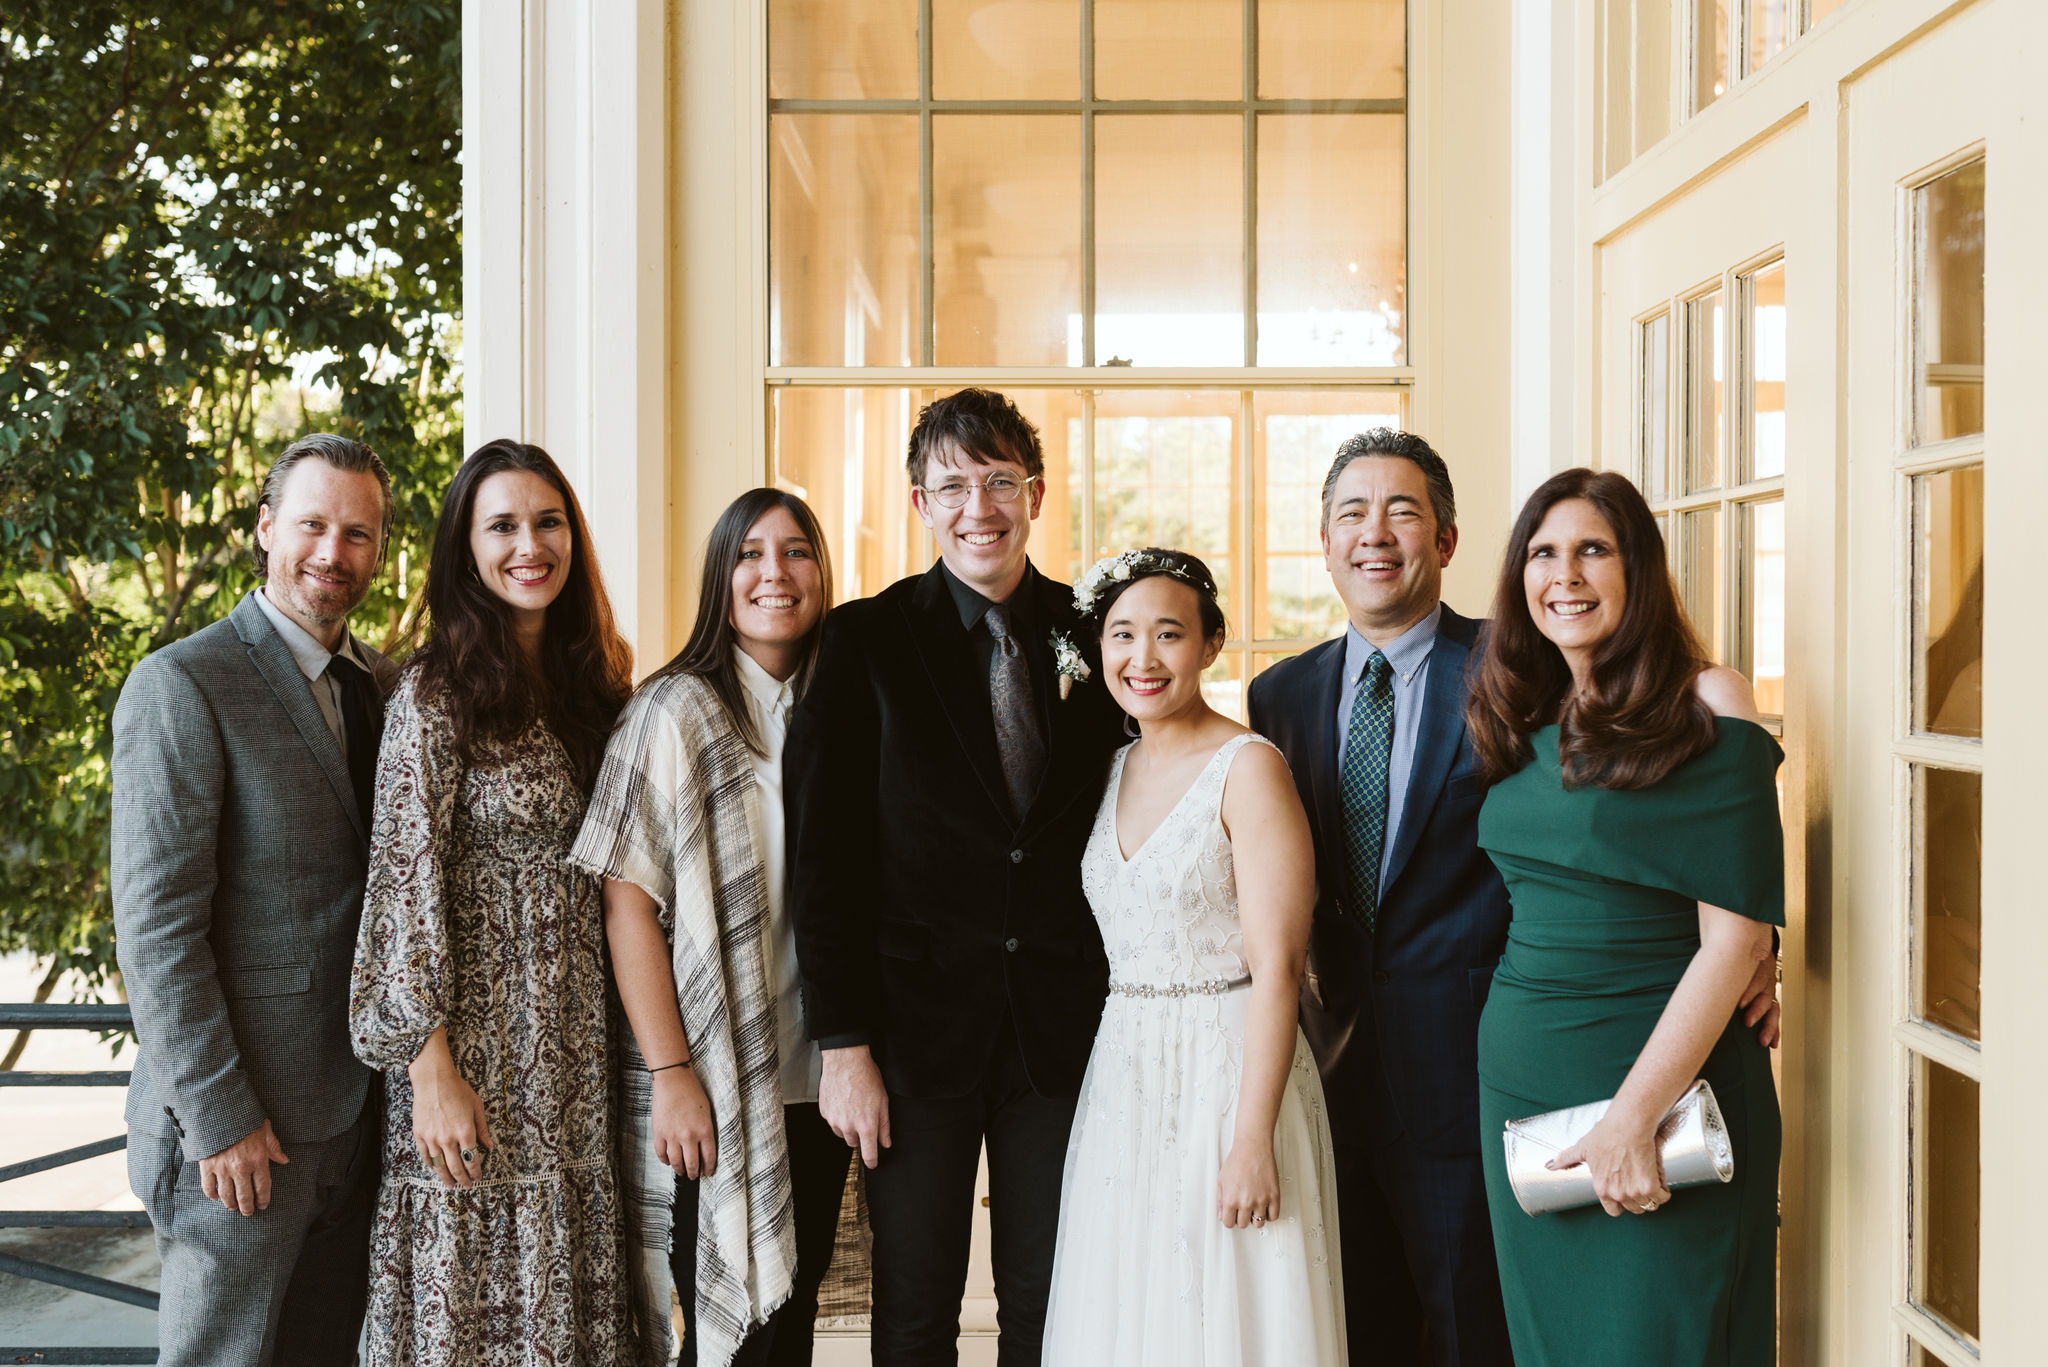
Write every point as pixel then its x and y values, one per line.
pixel 1002 488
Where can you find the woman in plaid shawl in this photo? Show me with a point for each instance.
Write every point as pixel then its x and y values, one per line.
pixel 733 1180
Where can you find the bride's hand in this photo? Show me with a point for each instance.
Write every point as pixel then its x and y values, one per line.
pixel 1248 1188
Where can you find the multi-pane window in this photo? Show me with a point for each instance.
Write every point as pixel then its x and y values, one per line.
pixel 1186 261
pixel 1938 756
pixel 1712 463
pixel 1711 46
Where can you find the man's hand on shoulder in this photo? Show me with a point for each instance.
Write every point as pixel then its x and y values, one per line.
pixel 853 1101
pixel 239 1175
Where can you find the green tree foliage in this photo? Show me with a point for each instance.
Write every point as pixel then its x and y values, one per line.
pixel 200 202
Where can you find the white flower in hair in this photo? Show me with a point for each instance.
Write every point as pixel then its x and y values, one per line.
pixel 1121 568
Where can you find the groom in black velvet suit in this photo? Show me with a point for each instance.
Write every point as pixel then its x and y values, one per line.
pixel 940 790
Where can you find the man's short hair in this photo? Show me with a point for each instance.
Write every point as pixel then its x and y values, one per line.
pixel 986 427
pixel 1385 441
pixel 343 453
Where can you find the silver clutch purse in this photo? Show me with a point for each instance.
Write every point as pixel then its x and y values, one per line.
pixel 1692 1138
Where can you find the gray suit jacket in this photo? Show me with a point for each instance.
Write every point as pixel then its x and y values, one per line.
pixel 238 866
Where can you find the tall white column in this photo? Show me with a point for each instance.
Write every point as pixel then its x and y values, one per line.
pixel 565 294
pixel 1543 300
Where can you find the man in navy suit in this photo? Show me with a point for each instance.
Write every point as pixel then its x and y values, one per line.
pixel 1411 915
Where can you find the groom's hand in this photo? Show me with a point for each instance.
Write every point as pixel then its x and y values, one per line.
pixel 853 1101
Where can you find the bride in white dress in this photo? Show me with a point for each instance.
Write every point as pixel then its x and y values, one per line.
pixel 1198 1217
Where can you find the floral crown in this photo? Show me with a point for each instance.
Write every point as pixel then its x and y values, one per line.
pixel 1133 564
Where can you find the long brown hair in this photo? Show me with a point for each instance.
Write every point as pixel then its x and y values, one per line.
pixel 470 658
pixel 1638 718
pixel 708 653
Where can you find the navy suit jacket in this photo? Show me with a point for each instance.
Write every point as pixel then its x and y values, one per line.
pixel 1406 998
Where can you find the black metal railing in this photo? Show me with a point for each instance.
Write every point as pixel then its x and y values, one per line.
pixel 16 1016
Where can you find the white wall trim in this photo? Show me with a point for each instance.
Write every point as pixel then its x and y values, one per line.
pixel 1542 200
pixel 565 269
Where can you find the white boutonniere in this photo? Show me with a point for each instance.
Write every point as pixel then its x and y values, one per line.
pixel 1066 658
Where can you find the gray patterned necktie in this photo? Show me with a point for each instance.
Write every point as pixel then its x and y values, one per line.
pixel 1015 704
pixel 1368 746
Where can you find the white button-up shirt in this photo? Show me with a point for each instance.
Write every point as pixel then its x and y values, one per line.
pixel 312 659
pixel 768 703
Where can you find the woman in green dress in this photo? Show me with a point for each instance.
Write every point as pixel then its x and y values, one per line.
pixel 1634 817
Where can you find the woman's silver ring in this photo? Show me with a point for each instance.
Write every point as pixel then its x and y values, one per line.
pixel 1258 1219
pixel 469 1155
pixel 1649 1206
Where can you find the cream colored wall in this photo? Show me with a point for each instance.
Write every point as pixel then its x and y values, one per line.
pixel 1777 161
pixel 1459 211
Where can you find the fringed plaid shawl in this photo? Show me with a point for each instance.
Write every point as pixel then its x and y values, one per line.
pixel 675 812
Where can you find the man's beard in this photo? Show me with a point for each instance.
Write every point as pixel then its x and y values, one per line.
pixel 323 605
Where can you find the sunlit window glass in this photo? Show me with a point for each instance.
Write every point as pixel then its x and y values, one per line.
pixel 1699 574
pixel 1709 51
pixel 1204 60
pixel 1763 603
pixel 1006 49
pixel 1766 371
pixel 1949 890
pixel 1653 441
pixel 1333 240
pixel 1948 602
pixel 1169 240
pixel 1006 238
pixel 1706 402
pixel 1332 49
pixel 842 49
pixel 1948 305
pixel 1770 29
pixel 1947 1184
pixel 844 283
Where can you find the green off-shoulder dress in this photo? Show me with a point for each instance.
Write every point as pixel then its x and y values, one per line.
pixel 1604 886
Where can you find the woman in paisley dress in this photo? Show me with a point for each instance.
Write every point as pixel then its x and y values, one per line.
pixel 1198 1216
pixel 479 983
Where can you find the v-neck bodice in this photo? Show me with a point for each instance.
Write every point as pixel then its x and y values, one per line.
pixel 1168 914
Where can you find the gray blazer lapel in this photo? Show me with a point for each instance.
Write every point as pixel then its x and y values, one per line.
pixel 273 660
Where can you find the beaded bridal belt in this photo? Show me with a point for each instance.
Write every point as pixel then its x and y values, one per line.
pixel 1215 987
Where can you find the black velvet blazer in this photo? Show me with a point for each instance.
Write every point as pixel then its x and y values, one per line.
pixel 924 912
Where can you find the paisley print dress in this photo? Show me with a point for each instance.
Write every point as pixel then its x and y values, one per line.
pixel 475 920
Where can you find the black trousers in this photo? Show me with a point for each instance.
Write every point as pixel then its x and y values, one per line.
pixel 921 1203
pixel 1421 1286
pixel 818 1161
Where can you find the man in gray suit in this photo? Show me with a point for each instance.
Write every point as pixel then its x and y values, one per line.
pixel 244 757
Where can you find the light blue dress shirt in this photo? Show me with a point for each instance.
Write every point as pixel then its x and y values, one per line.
pixel 1409 654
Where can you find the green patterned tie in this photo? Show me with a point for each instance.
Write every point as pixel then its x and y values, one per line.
pixel 1367 744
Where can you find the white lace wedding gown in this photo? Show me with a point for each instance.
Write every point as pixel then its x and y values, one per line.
pixel 1145 1274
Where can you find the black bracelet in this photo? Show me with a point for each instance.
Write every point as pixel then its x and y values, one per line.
pixel 666 1066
